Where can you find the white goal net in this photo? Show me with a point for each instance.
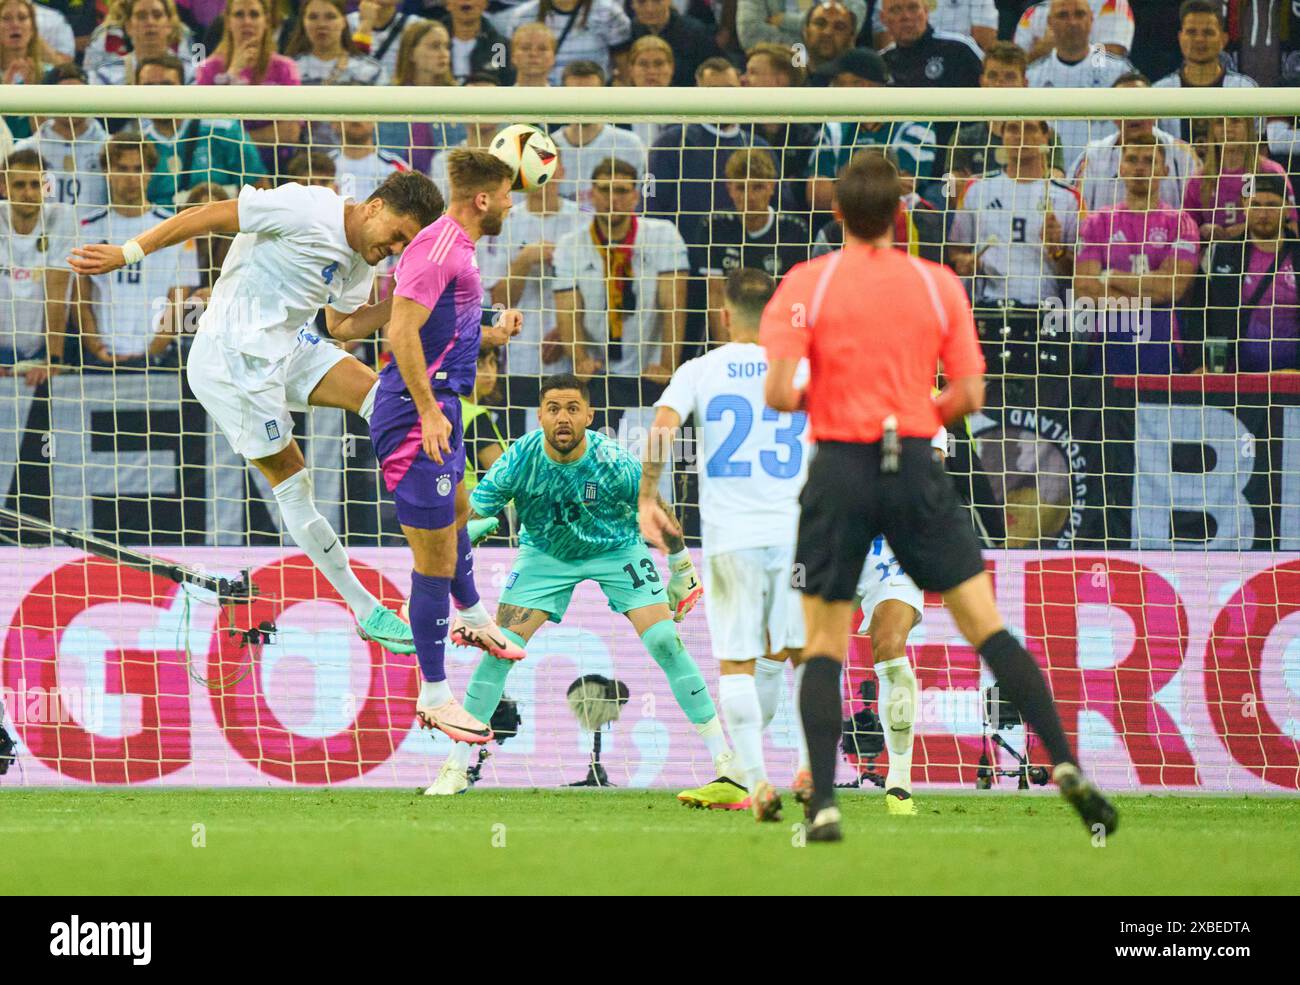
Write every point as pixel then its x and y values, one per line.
pixel 1135 477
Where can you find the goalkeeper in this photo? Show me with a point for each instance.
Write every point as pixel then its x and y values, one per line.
pixel 576 495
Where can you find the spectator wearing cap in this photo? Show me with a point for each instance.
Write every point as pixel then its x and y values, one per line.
pixel 532 54
pixel 913 142
pixel 1254 309
pixel 772 65
pixel 1202 36
pixel 785 21
pixel 584 145
pixel 72 148
pixel 691 41
pixel 194 152
pixel 423 59
pixel 133 31
pixel 476 44
pixel 585 30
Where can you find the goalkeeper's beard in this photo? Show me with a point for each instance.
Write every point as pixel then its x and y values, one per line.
pixel 564 442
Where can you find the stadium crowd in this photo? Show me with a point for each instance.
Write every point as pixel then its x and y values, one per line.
pixel 1170 242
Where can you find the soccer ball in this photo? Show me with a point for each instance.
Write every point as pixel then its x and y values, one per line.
pixel 530 152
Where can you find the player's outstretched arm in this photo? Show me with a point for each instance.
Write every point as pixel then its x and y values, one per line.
pixel 684 587
pixel 103 258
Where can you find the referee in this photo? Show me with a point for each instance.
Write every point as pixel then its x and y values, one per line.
pixel 875 324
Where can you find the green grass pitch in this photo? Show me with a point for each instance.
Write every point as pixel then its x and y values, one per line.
pixel 614 841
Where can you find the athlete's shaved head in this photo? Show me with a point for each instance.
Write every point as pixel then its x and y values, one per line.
pixel 564 412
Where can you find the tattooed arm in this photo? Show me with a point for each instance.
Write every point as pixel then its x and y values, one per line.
pixel 658 525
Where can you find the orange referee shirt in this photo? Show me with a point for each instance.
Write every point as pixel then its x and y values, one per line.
pixel 875 325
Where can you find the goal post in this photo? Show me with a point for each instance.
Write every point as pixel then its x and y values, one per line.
pixel 1135 475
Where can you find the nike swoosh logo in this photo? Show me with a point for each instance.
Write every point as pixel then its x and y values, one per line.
pixel 332 546
pixel 694 693
pixel 656 591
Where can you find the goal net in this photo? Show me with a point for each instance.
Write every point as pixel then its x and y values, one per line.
pixel 1135 477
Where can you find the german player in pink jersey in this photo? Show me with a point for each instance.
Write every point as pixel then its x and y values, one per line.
pixel 435 333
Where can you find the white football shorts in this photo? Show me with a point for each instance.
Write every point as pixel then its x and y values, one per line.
pixel 251 398
pixel 752 609
pixel 883 578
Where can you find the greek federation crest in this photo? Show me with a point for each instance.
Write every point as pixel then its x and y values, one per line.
pixel 589 493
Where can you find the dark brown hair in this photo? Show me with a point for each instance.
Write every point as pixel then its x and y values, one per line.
pixel 868 195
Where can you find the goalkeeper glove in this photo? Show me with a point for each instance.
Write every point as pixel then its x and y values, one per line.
pixel 684 588
pixel 480 530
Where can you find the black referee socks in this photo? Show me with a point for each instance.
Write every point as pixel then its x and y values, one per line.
pixel 1022 683
pixel 819 707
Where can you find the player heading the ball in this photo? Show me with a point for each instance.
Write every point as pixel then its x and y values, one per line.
pixel 297 249
pixel 436 334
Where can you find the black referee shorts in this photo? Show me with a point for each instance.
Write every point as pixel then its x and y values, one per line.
pixel 846 503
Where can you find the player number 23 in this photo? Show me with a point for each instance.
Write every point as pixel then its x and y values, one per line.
pixel 722 466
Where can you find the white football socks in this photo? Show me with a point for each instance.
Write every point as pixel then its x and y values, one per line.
pixel 769 676
pixel 459 756
pixel 475 615
pixel 435 694
pixel 805 764
pixel 716 742
pixel 312 532
pixel 740 707
pixel 897 696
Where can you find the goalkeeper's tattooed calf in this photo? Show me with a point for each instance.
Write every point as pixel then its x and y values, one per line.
pixel 513 615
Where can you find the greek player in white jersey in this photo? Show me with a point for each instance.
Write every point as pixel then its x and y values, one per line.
pixel 255 356
pixel 892 606
pixel 753 462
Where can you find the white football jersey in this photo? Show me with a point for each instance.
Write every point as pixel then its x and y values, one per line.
pixel 25 259
pixel 1112 23
pixel 1096 172
pixel 578 162
pixel 752 461
pixel 1096 70
pixel 77 178
pixel 579 265
pixel 357 177
pixel 1002 220
pixel 290 259
pixel 537 299
pixel 130 302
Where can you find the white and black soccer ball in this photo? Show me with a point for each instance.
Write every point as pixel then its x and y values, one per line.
pixel 530 152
